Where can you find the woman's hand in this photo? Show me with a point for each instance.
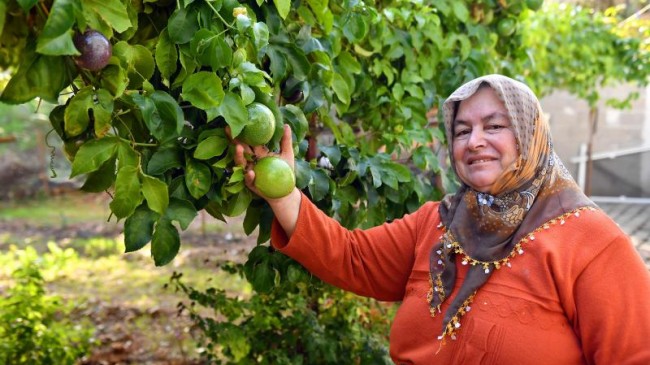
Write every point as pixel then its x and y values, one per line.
pixel 244 152
pixel 285 209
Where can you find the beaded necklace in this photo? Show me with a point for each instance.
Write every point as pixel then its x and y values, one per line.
pixel 452 247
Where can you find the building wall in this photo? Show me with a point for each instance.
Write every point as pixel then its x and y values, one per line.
pixel 616 130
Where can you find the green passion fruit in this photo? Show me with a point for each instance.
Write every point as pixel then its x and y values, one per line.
pixel 274 177
pixel 261 128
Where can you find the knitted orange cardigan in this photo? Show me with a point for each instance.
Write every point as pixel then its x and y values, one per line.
pixel 579 294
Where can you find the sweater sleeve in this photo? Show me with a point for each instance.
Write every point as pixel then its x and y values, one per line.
pixel 375 262
pixel 612 298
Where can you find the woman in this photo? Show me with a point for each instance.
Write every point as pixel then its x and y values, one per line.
pixel 517 267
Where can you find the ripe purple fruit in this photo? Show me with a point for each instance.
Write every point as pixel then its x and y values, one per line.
pixel 95 50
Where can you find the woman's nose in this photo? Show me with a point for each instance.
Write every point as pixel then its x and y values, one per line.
pixel 476 139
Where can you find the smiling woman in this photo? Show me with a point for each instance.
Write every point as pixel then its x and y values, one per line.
pixel 483 143
pixel 517 267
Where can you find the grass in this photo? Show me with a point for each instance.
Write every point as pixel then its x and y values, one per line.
pixel 124 295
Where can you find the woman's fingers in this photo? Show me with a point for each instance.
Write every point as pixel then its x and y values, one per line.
pixel 239 155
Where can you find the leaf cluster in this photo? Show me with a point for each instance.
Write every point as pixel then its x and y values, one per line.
pixel 33 324
pixel 301 322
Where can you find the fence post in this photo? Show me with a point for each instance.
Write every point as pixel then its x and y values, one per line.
pixel 582 166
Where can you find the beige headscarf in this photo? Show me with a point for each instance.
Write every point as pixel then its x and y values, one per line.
pixel 486 230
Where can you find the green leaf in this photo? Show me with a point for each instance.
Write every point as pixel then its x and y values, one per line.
pixel 156 194
pixel 203 90
pixel 235 112
pixel 138 228
pixel 165 242
pixel 163 160
pixel 283 7
pixel 101 179
pixel 348 63
pixel 162 115
pixel 103 112
pixel 211 147
pixel 166 55
pixel 251 219
pixel 341 88
pixel 319 185
pixel 299 62
pixel 333 153
pixel 182 211
pixel 56 37
pixel 238 203
pixel 296 119
pixel 198 178
pixel 38 76
pixel 27 4
pixel 460 10
pixel 127 156
pixel 263 277
pixel 92 155
pixel 182 25
pixel 261 35
pixel 76 115
pixel 137 60
pixel 128 193
pixel 112 12
pixel 278 64
pixel 114 79
pixel 356 28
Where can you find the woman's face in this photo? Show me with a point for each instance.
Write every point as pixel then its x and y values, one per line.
pixel 483 143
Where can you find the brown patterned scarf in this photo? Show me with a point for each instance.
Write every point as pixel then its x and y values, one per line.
pixel 487 230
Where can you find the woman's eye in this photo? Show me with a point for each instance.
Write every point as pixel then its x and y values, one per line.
pixel 496 127
pixel 461 133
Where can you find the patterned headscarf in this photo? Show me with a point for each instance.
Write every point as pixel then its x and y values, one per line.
pixel 487 230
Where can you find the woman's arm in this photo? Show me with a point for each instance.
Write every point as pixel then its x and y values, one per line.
pixel 286 208
pixel 612 301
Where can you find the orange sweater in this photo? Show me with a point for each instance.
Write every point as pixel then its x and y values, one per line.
pixel 580 293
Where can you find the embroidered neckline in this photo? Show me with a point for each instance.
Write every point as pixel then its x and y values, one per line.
pixel 453 246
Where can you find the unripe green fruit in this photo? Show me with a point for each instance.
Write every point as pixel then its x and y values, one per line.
pixel 274 177
pixel 261 127
pixel 506 27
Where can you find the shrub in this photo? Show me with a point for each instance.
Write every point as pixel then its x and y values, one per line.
pixel 34 328
pixel 299 322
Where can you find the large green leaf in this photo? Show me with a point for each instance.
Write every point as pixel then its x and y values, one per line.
pixel 283 7
pixel 235 112
pixel 181 211
pixel 156 194
pixel 163 160
pixel 101 179
pixel 166 55
pixel 211 147
pixel 182 25
pixel 137 60
pixel 93 154
pixel 128 192
pixel 203 90
pixel 112 12
pixel 165 242
pixel 138 228
pixel 319 185
pixel 161 113
pixel 76 114
pixel 56 37
pixel 38 76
